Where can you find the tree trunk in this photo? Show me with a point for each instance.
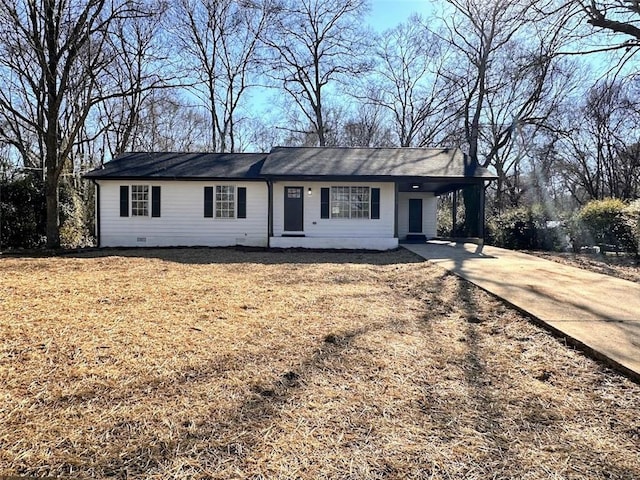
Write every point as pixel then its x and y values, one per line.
pixel 322 142
pixel 53 222
pixel 499 200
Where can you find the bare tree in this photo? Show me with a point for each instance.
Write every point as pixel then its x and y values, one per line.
pixel 508 77
pixel 362 125
pixel 618 16
pixel 407 82
pixel 55 57
pixel 366 127
pixel 600 157
pixel 140 68
pixel 220 43
pixel 168 123
pixel 314 43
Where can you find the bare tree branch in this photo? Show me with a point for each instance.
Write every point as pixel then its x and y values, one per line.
pixel 312 44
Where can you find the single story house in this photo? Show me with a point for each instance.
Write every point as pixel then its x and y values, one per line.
pixel 324 197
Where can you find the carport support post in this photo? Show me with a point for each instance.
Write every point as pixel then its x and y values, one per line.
pixel 481 219
pixel 473 199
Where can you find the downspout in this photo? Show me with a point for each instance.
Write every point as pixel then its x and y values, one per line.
pixel 269 212
pixel 97 207
pixel 395 209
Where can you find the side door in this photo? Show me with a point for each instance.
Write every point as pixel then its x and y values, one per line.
pixel 415 215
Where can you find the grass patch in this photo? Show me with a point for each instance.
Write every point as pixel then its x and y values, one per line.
pixel 207 363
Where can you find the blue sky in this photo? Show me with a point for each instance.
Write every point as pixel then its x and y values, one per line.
pixel 386 14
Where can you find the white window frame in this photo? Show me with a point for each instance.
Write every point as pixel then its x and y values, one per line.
pixel 140 200
pixel 347 202
pixel 225 202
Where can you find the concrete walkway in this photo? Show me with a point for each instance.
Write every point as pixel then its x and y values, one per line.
pixel 596 312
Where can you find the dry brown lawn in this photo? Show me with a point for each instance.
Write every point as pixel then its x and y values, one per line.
pixel 205 363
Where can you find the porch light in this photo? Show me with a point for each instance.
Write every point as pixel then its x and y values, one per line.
pixel 309 191
pixel 415 186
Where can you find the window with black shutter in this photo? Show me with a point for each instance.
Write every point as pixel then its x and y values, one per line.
pixel 208 202
pixel 375 203
pixel 155 201
pixel 124 200
pixel 324 203
pixel 242 202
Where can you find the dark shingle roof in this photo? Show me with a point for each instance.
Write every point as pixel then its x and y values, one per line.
pixel 299 162
pixel 371 162
pixel 172 165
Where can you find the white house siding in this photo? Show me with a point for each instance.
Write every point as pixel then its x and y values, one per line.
pixel 429 213
pixel 377 234
pixel 182 221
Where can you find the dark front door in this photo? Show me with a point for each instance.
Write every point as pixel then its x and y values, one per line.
pixel 293 203
pixel 415 215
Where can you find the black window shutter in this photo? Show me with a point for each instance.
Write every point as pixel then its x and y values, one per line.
pixel 155 201
pixel 124 200
pixel 242 202
pixel 324 203
pixel 208 202
pixel 375 203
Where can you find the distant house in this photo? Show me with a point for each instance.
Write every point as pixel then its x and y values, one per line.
pixel 360 198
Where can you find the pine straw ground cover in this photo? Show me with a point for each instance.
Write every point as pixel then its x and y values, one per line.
pixel 622 266
pixel 228 364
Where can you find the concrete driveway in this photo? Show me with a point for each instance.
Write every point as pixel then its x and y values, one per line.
pixel 597 312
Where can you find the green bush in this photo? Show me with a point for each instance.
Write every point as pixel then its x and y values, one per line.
pixel 74 219
pixel 525 229
pixel 608 224
pixel 22 212
pixel 445 220
pixel 578 234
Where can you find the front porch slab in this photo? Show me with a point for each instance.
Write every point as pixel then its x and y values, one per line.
pixel 350 243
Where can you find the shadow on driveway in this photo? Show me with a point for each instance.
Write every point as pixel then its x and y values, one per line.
pixel 598 313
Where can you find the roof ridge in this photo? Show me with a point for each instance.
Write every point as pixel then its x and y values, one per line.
pixel 367 148
pixel 169 152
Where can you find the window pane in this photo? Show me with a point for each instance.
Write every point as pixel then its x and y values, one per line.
pixel 339 202
pixel 350 202
pixel 359 202
pixel 225 201
pixel 139 200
